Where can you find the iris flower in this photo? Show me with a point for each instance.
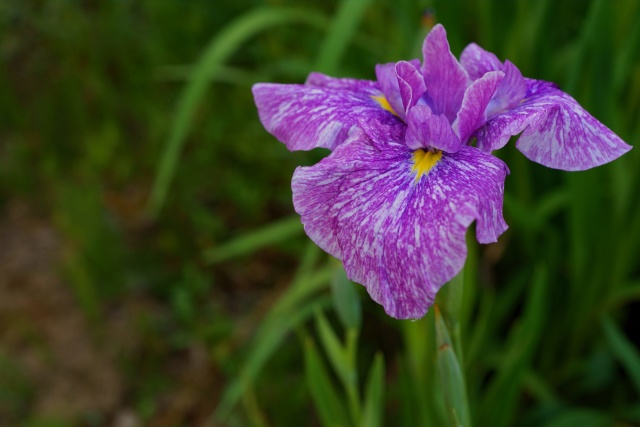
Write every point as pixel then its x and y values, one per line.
pixel 402 184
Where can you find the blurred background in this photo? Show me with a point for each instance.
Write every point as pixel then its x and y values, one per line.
pixel 153 271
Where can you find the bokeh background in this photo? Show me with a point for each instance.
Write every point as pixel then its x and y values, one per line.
pixel 153 271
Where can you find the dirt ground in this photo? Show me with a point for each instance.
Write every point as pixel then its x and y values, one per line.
pixel 56 364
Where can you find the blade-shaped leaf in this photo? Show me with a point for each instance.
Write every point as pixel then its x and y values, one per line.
pixel 373 412
pixel 451 377
pixel 346 300
pixel 328 402
pixel 624 350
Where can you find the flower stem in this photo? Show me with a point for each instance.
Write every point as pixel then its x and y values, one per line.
pixel 449 354
pixel 351 385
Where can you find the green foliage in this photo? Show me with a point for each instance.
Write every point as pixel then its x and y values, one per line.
pixel 129 129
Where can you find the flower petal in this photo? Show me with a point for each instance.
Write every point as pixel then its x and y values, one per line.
pixel 322 80
pixel 388 80
pixel 304 117
pixel 400 237
pixel 511 90
pixel 472 114
pixel 411 84
pixel 427 130
pixel 556 131
pixel 477 61
pixel 445 78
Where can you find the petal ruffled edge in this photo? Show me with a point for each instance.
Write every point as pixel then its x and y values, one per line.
pixel 478 61
pixel 305 117
pixel 556 131
pixel 401 238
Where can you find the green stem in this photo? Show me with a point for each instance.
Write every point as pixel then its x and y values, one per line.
pixel 351 385
pixel 449 356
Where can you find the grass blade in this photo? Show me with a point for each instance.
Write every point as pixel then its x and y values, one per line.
pixel 327 400
pixel 250 242
pixel 451 377
pixel 333 348
pixel 373 412
pixel 289 311
pixel 346 300
pixel 217 52
pixel 624 350
pixel 340 34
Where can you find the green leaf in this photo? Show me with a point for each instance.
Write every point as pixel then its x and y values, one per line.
pixel 341 32
pixel 343 360
pixel 333 348
pixel 223 45
pixel 373 412
pixel 267 341
pixel 624 61
pixel 516 358
pixel 250 242
pixel 346 300
pixel 451 377
pixel 622 296
pixel 293 308
pixel 581 417
pixel 624 350
pixel 420 373
pixel 327 400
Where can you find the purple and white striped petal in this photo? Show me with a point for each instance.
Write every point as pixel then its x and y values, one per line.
pixel 319 114
pixel 472 114
pixel 426 130
pixel 401 237
pixel 556 131
pixel 445 78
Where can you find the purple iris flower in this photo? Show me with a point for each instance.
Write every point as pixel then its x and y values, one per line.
pixel 395 197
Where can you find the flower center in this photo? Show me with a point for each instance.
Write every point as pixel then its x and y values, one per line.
pixel 382 101
pixel 424 160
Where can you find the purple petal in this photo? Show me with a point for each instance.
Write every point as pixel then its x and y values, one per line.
pixel 388 80
pixel 556 131
pixel 382 134
pixel 511 90
pixel 445 78
pixel 411 84
pixel 472 114
pixel 322 80
pixel 400 237
pixel 304 117
pixel 478 61
pixel 426 130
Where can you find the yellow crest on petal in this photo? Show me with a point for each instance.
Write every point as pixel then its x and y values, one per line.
pixel 423 161
pixel 384 104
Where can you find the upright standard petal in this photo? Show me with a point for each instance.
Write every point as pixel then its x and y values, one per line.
pixel 478 61
pixel 401 237
pixel 411 84
pixel 304 117
pixel 388 81
pixel 556 131
pixel 445 78
pixel 473 114
pixel 512 88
